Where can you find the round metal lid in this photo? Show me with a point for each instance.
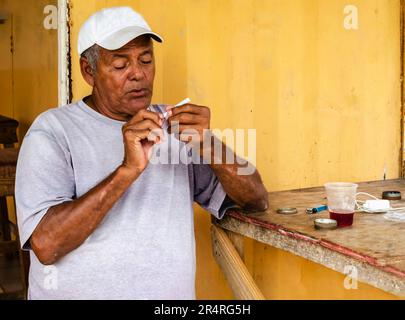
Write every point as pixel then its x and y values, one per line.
pixel 328 224
pixel 391 195
pixel 287 211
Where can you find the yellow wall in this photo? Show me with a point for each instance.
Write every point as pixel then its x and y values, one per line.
pixel 33 67
pixel 325 102
pixel 281 275
pixel 29 74
pixel 6 61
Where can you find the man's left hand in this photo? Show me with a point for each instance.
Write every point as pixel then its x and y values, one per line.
pixel 190 122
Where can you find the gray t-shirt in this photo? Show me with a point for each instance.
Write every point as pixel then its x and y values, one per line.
pixel 145 247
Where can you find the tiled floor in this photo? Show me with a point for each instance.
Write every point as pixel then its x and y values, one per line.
pixel 10 281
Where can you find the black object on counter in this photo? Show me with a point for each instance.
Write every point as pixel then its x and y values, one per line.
pixel 391 195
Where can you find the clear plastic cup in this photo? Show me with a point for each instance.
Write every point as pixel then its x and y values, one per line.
pixel 341 202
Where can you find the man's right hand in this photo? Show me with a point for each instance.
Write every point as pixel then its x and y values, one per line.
pixel 140 134
pixel 67 225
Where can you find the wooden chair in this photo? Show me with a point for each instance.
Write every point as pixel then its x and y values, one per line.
pixel 8 162
pixel 8 131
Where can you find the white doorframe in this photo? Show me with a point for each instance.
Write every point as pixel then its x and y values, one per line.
pixel 63 53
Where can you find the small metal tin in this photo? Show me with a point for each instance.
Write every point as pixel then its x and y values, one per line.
pixel 391 195
pixel 287 211
pixel 326 224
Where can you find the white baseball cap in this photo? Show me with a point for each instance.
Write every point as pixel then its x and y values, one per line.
pixel 112 28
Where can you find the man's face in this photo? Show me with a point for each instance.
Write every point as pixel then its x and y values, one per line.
pixel 124 77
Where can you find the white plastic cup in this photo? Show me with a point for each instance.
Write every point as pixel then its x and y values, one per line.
pixel 341 201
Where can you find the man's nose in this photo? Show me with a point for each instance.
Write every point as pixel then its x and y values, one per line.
pixel 136 73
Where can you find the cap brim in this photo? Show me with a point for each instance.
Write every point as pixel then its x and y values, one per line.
pixel 120 38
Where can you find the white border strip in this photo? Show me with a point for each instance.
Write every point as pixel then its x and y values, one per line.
pixel 63 50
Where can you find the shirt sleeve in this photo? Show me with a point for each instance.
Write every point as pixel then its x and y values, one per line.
pixel 44 178
pixel 208 191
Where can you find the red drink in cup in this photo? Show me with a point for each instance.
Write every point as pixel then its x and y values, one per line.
pixel 344 219
pixel 341 202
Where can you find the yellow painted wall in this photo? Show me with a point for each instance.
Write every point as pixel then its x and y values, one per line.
pixel 6 61
pixel 29 74
pixel 33 67
pixel 325 102
pixel 282 275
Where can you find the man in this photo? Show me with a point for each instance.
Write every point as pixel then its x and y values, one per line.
pixel 101 220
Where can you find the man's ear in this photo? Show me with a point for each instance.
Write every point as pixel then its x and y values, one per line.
pixel 87 71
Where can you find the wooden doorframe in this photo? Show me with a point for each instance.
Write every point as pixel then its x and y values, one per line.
pixel 402 64
pixel 64 83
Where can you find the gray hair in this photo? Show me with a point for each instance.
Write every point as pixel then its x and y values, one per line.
pixel 92 55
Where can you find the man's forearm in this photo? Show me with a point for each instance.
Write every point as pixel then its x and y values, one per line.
pixel 246 191
pixel 66 226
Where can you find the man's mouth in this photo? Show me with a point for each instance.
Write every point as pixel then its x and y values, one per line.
pixel 141 93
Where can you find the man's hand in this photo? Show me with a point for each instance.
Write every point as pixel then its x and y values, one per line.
pixel 140 134
pixel 188 121
pixel 247 191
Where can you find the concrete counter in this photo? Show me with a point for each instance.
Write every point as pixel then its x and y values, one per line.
pixel 374 246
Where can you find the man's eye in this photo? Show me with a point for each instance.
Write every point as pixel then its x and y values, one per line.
pixel 119 67
pixel 146 61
